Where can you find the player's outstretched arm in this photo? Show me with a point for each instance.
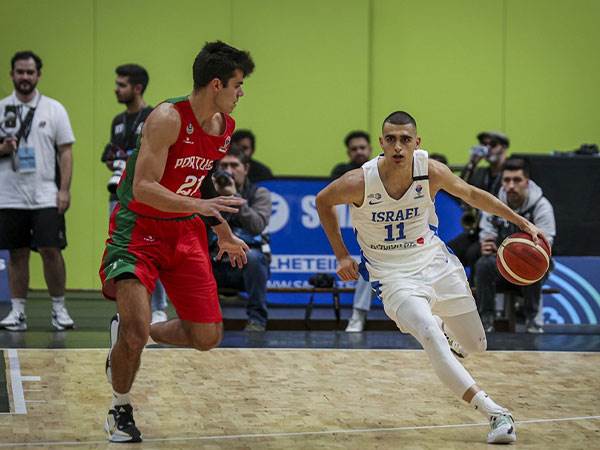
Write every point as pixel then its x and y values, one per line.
pixel 441 177
pixel 159 133
pixel 345 190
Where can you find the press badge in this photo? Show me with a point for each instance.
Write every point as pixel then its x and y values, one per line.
pixel 26 159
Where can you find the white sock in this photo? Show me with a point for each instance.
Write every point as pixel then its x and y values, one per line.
pixel 486 406
pixel 58 301
pixel 120 399
pixel 18 304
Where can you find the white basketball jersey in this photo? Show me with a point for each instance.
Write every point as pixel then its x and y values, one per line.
pixel 396 236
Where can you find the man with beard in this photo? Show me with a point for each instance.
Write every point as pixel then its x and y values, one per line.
pixel 130 85
pixel 525 198
pixel 35 174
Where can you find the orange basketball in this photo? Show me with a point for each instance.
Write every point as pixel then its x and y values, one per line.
pixel 521 261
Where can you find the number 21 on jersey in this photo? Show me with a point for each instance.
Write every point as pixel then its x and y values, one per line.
pixel 190 186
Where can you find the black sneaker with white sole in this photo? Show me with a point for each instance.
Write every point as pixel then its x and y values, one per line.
pixel 120 425
pixel 114 334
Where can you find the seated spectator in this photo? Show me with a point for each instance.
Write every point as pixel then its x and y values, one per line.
pixel 492 147
pixel 249 224
pixel 246 142
pixel 526 198
pixel 358 149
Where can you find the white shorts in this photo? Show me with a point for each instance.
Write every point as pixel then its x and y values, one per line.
pixel 443 283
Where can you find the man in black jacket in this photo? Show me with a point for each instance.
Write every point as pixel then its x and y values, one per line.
pixel 248 224
pixel 246 142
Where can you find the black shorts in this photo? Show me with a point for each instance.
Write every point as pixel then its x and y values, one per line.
pixel 33 228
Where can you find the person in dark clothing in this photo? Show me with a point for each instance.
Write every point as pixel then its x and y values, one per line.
pixel 493 148
pixel 248 224
pixel 126 127
pixel 358 148
pixel 246 142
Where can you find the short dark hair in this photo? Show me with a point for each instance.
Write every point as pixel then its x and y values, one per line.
pixel 400 118
pixel 219 60
pixel 357 134
pixel 239 135
pixel 136 74
pixel 239 154
pixel 517 164
pixel 26 54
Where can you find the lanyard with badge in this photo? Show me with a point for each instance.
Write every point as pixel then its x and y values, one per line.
pixel 23 160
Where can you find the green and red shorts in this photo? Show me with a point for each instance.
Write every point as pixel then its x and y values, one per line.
pixel 174 250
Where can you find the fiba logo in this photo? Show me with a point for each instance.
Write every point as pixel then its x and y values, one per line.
pixel 280 213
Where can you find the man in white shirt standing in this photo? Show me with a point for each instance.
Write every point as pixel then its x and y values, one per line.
pixel 36 142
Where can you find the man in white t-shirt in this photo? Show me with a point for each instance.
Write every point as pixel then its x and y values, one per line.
pixel 35 173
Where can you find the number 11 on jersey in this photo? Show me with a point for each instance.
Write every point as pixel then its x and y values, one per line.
pixel 390 232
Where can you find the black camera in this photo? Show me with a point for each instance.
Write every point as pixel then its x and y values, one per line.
pixel 322 280
pixel 222 178
pixel 118 166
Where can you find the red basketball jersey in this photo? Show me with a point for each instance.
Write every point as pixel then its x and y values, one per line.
pixel 190 159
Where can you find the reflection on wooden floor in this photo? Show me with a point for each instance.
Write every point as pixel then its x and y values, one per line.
pixel 305 399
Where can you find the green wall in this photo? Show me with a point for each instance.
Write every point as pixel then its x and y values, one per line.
pixel 529 68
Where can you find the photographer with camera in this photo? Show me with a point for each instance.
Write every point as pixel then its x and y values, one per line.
pixel 130 85
pixel 492 148
pixel 248 224
pixel 36 143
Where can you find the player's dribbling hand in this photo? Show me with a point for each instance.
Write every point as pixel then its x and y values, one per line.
pixel 535 233
pixel 347 269
pixel 215 206
pixel 235 248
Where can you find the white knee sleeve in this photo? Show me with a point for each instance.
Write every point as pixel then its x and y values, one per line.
pixel 421 324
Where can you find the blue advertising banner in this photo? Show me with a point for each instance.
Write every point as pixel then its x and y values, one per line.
pixel 299 245
pixel 578 278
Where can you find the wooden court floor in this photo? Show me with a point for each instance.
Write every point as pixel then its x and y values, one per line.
pixel 299 399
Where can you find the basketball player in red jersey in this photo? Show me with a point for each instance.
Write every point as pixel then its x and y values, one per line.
pixel 156 229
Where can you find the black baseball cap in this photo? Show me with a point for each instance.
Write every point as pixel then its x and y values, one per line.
pixel 496 136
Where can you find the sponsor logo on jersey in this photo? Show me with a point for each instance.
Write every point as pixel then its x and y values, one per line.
pixel 374 199
pixel 419 190
pixel 187 140
pixel 223 148
pixel 189 129
pixel 194 162
pixel 421 240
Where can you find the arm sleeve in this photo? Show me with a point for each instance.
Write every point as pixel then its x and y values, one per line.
pixel 487 228
pixel 64 132
pixel 543 218
pixel 255 218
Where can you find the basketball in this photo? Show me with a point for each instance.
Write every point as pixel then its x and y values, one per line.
pixel 521 261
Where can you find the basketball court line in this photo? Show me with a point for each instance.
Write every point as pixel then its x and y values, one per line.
pixel 297 434
pixel 16 382
pixel 301 349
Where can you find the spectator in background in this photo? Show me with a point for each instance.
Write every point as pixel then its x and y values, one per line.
pixel 246 142
pixel 35 174
pixel 492 147
pixel 248 224
pixel 130 85
pixel 439 157
pixel 525 198
pixel 358 149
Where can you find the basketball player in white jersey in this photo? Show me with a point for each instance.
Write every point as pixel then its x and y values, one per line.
pixel 423 287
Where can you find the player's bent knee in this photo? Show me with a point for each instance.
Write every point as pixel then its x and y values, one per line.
pixel 134 335
pixel 208 338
